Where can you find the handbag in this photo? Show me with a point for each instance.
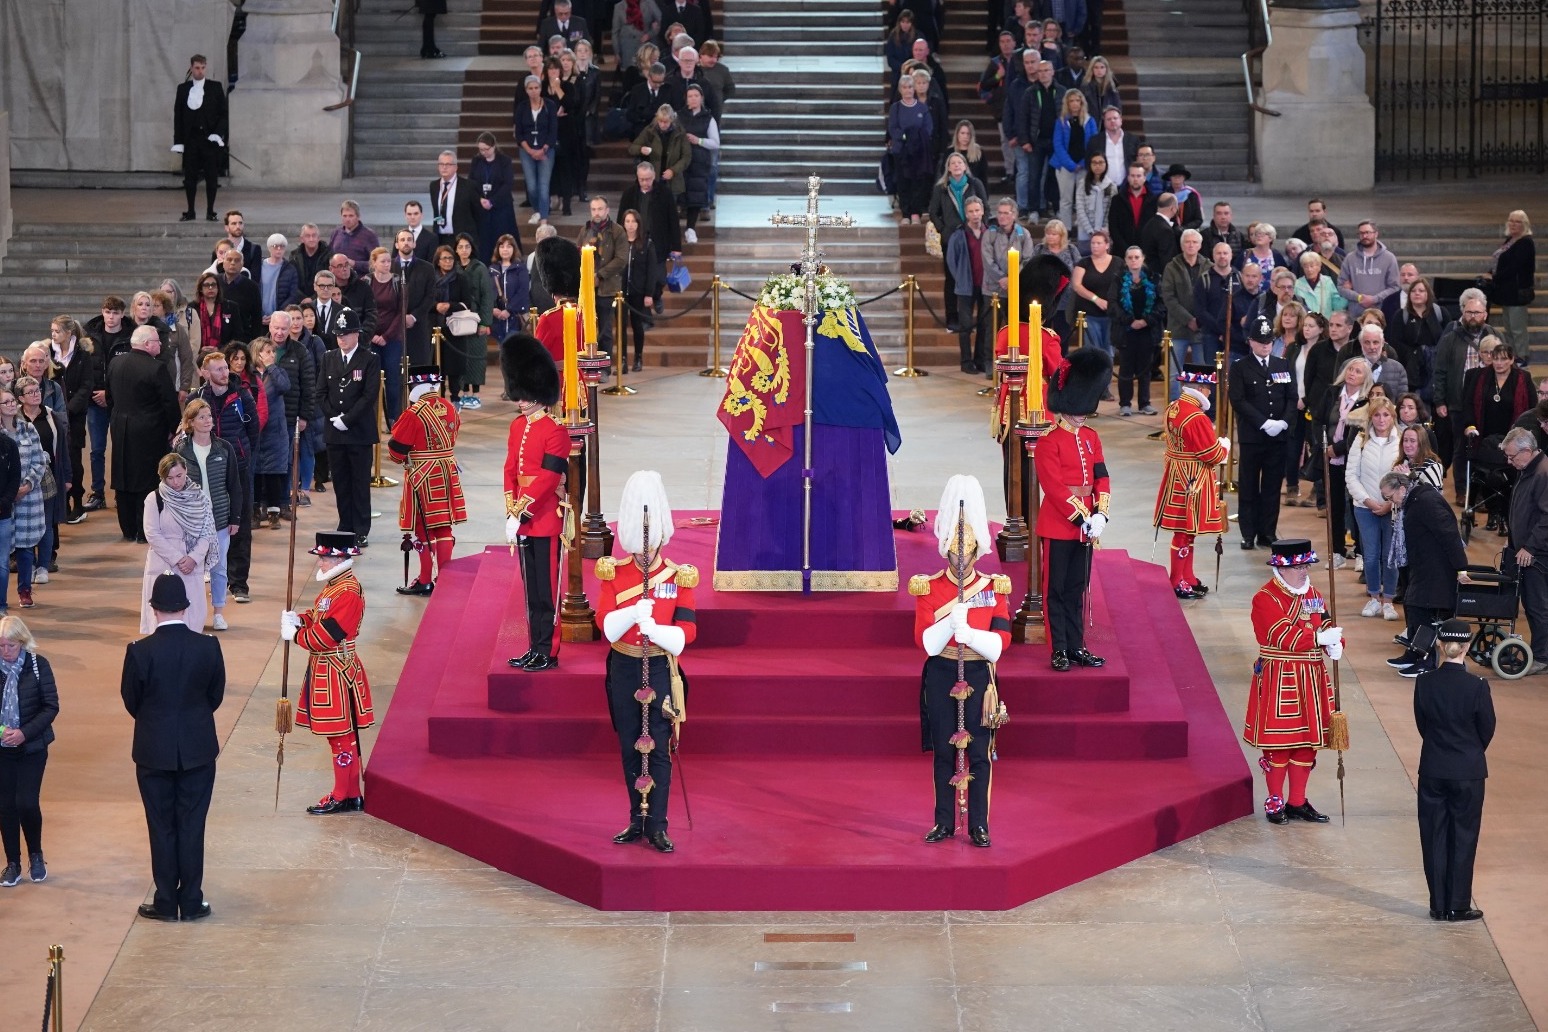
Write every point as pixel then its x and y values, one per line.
pixel 932 240
pixel 463 323
pixel 616 125
pixel 678 278
pixel 50 486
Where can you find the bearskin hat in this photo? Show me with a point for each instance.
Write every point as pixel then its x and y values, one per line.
pixel 558 266
pixel 1041 279
pixel 529 369
pixel 1078 387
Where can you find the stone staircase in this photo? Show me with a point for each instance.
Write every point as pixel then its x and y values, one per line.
pixel 392 30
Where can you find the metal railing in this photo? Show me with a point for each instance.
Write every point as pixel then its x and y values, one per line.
pixel 343 26
pixel 1258 28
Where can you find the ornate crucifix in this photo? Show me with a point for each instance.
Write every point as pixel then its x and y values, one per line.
pixel 810 262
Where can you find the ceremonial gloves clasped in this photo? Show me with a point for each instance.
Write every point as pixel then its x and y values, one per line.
pixel 953 627
pixel 290 623
pixel 1274 427
pixel 338 424
pixel 1332 641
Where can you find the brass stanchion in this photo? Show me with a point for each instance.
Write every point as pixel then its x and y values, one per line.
pixel 435 344
pixel 377 480
pixel 715 368
pixel 56 981
pixel 1080 331
pixel 619 389
pixel 994 335
pixel 909 370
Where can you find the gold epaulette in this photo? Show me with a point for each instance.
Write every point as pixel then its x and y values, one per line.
pixel 1002 585
pixel 919 584
pixel 607 568
pixel 687 576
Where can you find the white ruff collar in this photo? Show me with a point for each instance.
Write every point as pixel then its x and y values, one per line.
pixel 327 575
pixel 1303 589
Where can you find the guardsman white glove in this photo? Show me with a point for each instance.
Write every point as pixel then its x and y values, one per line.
pixel 644 609
pixel 1095 525
pixel 512 529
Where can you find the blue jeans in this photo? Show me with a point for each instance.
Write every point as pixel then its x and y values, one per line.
pixel 7 535
pixel 390 355
pixel 219 575
pixel 1098 335
pixel 311 440
pixel 97 420
pixel 51 513
pixel 24 564
pixel 1375 542
pixel 1031 172
pixel 536 175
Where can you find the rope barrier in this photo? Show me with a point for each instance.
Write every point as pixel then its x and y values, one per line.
pixel 878 297
pixel 926 299
pixel 48 999
pixel 658 317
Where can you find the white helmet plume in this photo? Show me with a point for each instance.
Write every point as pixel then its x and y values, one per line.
pixel 967 493
pixel 644 488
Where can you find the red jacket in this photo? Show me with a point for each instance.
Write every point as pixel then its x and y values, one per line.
pixel 1073 477
pixel 537 456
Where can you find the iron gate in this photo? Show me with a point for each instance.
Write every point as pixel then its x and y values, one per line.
pixel 1459 87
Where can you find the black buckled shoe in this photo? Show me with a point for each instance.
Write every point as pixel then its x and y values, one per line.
pixel 198 913
pixel 1305 812
pixel 1200 588
pixel 939 834
pixel 150 913
pixel 520 661
pixel 1086 659
pixel 633 833
pixel 331 805
pixel 660 842
pixel 417 588
pixel 1060 660
pixel 1464 915
pixel 1279 816
pixel 1186 594
pixel 980 837
pixel 538 663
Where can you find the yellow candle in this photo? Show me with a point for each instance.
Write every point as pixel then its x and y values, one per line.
pixel 1013 296
pixel 571 364
pixel 588 296
pixel 1035 357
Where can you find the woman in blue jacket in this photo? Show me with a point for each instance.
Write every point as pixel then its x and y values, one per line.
pixel 537 134
pixel 1071 132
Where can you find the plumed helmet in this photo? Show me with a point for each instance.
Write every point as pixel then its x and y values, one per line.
pixel 964 495
pixel 558 264
pixel 1078 387
pixel 529 369
pixel 644 489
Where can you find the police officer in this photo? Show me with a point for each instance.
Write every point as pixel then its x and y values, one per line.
pixel 1262 392
pixel 1455 715
pixel 351 377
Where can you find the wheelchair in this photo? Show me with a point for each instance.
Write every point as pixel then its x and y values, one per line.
pixel 1492 601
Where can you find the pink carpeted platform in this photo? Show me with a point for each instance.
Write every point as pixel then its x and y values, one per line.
pixel 802 758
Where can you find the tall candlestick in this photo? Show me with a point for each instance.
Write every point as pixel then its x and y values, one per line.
pixel 1034 358
pixel 571 365
pixel 588 297
pixel 1013 297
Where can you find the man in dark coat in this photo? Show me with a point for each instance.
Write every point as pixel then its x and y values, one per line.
pixel 1262 393
pixel 353 292
pixel 237 284
pixel 199 134
pixel 173 682
pixel 145 412
pixel 1526 556
pixel 453 201
pixel 419 280
pixel 1426 534
pixel 1455 717
pixel 657 208
pixel 351 379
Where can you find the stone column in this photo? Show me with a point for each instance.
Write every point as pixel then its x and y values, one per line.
pixel 1324 138
pixel 289 74
pixel 6 225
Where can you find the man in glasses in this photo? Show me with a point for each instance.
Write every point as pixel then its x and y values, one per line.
pixel 1457 352
pixel 1526 555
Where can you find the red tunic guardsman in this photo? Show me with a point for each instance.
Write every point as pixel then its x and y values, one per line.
pixel 1188 503
pixel 558 265
pixel 649 624
pixel 962 622
pixel 1290 705
pixel 424 439
pixel 537 457
pixel 335 701
pixel 1073 477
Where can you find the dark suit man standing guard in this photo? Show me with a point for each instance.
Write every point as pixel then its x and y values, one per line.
pixel 351 379
pixel 418 295
pixel 1262 394
pixel 199 133
pixel 1455 716
pixel 173 682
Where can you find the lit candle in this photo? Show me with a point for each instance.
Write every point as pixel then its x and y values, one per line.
pixel 588 297
pixel 1035 357
pixel 1013 296
pixel 571 364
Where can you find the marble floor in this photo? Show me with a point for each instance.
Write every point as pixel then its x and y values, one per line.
pixel 353 924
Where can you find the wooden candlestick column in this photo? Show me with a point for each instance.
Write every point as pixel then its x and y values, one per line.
pixel 1012 541
pixel 1029 625
pixel 577 620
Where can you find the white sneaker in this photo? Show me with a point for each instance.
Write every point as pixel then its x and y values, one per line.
pixel 1372 608
pixel 1339 562
pixel 535 219
pixel 40 575
pixel 690 236
pixel 220 622
pixel 1388 611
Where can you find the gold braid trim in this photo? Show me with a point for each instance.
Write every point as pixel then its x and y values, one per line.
pixel 1002 584
pixel 607 568
pixel 919 585
pixel 687 576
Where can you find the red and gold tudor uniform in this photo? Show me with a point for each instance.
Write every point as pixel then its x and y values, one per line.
pixel 934 597
pixel 1072 475
pixel 1290 704
pixel 670 592
pixel 1188 503
pixel 424 439
pixel 335 698
pixel 537 457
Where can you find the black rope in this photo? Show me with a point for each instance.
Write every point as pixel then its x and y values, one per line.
pixel 48 998
pixel 738 293
pixel 878 297
pixel 658 317
pixel 938 320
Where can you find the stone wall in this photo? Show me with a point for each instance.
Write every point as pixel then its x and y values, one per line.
pixel 6 221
